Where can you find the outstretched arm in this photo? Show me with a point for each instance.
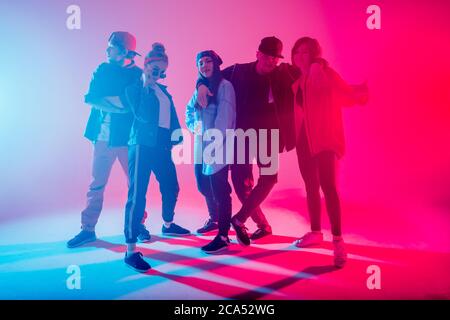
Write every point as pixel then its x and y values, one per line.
pixel 350 94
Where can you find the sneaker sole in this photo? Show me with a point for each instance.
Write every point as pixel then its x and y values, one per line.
pixel 340 265
pixel 252 239
pixel 81 243
pixel 176 234
pixel 216 251
pixel 203 232
pixel 135 269
pixel 299 245
pixel 145 240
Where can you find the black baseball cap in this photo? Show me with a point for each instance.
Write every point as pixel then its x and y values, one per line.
pixel 271 46
pixel 209 53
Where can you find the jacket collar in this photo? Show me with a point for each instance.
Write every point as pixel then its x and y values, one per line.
pixel 163 87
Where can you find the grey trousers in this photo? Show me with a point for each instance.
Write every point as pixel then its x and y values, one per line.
pixel 104 158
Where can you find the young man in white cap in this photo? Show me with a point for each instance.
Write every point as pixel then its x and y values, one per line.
pixel 108 127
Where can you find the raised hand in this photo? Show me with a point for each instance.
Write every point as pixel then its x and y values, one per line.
pixel 361 93
pixel 202 95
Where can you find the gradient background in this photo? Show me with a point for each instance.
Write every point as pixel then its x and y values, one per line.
pixel 394 179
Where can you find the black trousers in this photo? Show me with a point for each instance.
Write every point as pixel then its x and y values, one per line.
pixel 319 172
pixel 142 161
pixel 252 197
pixel 217 192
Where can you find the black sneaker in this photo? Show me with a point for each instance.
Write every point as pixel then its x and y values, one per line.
pixel 209 226
pixel 175 230
pixel 144 234
pixel 241 233
pixel 217 245
pixel 260 233
pixel 82 238
pixel 136 262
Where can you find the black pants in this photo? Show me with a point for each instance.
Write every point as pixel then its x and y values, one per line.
pixel 243 183
pixel 252 198
pixel 217 192
pixel 142 161
pixel 319 171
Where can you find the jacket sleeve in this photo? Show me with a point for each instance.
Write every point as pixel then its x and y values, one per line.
pixel 190 113
pixel 96 85
pixel 343 91
pixel 226 113
pixel 132 101
pixel 318 78
pixel 226 109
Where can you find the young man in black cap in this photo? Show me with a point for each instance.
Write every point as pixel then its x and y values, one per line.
pixel 263 101
pixel 108 127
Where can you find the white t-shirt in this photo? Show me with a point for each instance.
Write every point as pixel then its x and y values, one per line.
pixel 105 130
pixel 271 99
pixel 164 108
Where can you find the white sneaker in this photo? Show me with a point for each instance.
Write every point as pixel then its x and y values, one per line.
pixel 309 239
pixel 340 255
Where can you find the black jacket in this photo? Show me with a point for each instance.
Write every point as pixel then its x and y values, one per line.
pixel 145 106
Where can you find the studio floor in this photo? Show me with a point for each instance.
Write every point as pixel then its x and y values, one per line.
pixel 34 260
